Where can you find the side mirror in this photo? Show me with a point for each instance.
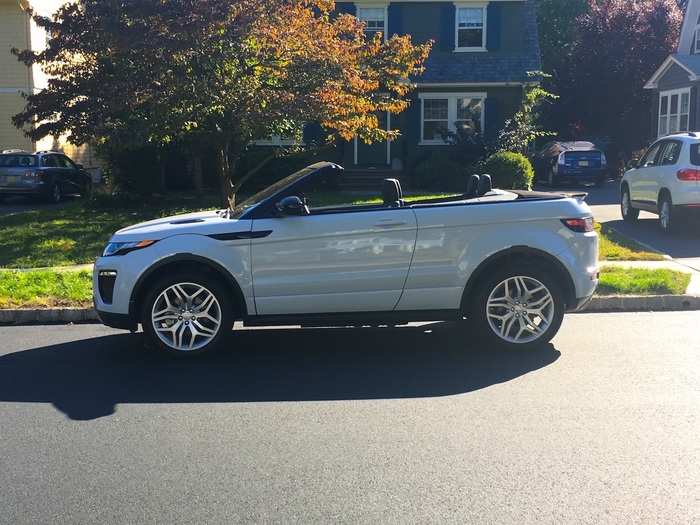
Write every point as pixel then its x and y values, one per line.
pixel 79 166
pixel 292 206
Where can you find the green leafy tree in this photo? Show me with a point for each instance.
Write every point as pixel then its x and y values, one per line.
pixel 524 128
pixel 215 72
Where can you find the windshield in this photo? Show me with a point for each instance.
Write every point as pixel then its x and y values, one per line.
pixel 17 161
pixel 256 199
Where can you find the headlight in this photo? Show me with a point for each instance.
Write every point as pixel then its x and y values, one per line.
pixel 122 248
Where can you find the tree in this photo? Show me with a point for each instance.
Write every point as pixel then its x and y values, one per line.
pixel 220 72
pixel 524 128
pixel 611 50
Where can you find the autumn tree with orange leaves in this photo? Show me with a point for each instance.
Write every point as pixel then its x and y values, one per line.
pixel 223 72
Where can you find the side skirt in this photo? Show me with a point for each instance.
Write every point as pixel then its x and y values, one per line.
pixel 646 206
pixel 353 318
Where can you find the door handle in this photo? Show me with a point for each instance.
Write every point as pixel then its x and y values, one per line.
pixel 390 224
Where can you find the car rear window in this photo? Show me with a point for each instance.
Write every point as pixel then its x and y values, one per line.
pixel 695 154
pixel 17 161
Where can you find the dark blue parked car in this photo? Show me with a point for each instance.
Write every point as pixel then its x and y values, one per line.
pixel 570 163
pixel 49 175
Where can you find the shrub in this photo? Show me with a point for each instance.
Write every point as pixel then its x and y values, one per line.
pixel 438 172
pixel 509 170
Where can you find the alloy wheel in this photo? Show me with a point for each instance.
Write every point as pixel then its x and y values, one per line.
pixel 520 309
pixel 186 316
pixel 665 215
pixel 625 203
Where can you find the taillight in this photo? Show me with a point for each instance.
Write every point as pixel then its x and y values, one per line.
pixel 580 225
pixel 689 175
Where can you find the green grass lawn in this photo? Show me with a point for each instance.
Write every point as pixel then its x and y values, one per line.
pixel 615 247
pixel 45 288
pixel 639 281
pixel 79 231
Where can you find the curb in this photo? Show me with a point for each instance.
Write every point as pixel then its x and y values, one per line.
pixel 599 304
pixel 642 303
pixel 48 316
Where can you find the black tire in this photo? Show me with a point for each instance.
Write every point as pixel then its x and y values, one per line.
pixel 211 284
pixel 478 308
pixel 631 214
pixel 55 194
pixel 667 214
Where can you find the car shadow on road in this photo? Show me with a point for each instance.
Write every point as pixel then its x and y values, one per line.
pixel 87 379
pixel 683 244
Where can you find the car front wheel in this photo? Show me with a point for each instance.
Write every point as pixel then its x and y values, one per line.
pixel 629 213
pixel 519 307
pixel 186 315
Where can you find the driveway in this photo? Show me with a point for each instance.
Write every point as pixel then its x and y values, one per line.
pixel 684 246
pixel 410 425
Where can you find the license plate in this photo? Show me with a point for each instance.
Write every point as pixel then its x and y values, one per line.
pixel 583 163
pixel 11 180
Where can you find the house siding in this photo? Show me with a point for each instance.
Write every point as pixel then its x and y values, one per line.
pixel 15 77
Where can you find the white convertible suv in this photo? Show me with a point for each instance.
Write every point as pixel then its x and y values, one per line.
pixel 666 181
pixel 511 262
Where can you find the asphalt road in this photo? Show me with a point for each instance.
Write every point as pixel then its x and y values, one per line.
pixel 684 246
pixel 413 424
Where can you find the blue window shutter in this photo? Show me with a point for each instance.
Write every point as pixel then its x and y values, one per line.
pixel 448 14
pixel 492 120
pixel 395 20
pixel 493 27
pixel 347 8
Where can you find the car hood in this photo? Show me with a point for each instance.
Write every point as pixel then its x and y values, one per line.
pixel 200 223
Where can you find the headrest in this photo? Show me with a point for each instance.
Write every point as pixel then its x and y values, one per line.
pixel 472 186
pixel 485 185
pixel 391 192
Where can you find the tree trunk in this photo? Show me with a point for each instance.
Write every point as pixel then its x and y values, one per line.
pixel 197 175
pixel 224 175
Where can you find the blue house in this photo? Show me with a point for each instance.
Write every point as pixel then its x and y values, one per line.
pixel 473 79
pixel 675 83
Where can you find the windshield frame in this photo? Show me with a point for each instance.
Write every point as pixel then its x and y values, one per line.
pixel 245 209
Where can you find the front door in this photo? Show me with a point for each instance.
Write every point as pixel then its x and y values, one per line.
pixel 332 261
pixel 376 154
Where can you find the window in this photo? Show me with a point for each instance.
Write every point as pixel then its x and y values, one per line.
pixel 17 161
pixel 374 19
pixel 696 38
pixel 63 162
pixel 649 160
pixel 671 153
pixel 446 113
pixel 471 28
pixel 674 111
pixel 49 161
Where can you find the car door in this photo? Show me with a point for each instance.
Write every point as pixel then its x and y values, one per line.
pixel 667 168
pixel 72 178
pixel 643 180
pixel 332 261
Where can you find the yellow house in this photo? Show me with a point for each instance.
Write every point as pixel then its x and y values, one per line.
pixel 18 30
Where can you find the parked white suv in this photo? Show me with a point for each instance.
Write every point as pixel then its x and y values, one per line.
pixel 511 261
pixel 666 181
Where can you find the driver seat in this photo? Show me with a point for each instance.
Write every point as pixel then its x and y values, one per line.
pixel 391 193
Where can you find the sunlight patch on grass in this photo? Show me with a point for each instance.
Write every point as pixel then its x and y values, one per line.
pixel 615 247
pixel 45 288
pixel 640 281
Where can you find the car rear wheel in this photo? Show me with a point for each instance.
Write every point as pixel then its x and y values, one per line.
pixel 519 307
pixel 187 315
pixel 667 215
pixel 629 213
